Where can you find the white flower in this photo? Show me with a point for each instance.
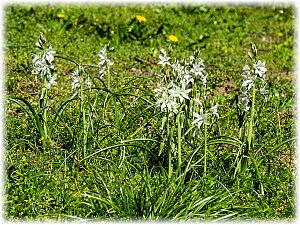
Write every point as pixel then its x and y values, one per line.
pixel 178 69
pixel 246 72
pixel 263 92
pixel 167 104
pixel 247 83
pixel 243 103
pixel 41 42
pixel 76 76
pixel 88 83
pixel 186 79
pixel 200 119
pixel 76 79
pixel 197 101
pixel 103 60
pixel 198 70
pixel 43 66
pixel 260 69
pixel 164 60
pixel 49 54
pixel 192 59
pixel 176 92
pixel 214 109
pixel 51 81
pixel 160 91
pixel 102 71
pixel 246 68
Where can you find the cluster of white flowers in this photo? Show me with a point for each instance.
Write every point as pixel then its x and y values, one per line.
pixel 78 75
pixel 104 62
pixel 78 79
pixel 248 83
pixel 43 63
pixel 202 117
pixel 188 72
pixel 170 97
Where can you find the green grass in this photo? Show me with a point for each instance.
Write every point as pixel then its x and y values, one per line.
pixel 116 170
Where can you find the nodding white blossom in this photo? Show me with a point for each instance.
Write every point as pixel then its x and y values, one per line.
pixel 167 104
pixel 187 79
pixel 178 69
pixel 51 81
pixel 248 79
pixel 104 62
pixel 248 83
pixel 167 97
pixel 197 68
pixel 201 119
pixel 176 92
pixel 260 69
pixel 198 102
pixel 214 110
pixel 43 63
pixel 244 102
pixel 76 79
pixel 164 59
pixel 88 83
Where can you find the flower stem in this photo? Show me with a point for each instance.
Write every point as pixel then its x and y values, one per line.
pixel 250 131
pixel 251 119
pixel 108 79
pixel 43 106
pixel 205 150
pixel 169 148
pixel 84 128
pixel 45 114
pixel 179 140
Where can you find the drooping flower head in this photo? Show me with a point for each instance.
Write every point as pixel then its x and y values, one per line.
pixel 164 59
pixel 77 78
pixel 201 119
pixel 248 82
pixel 104 62
pixel 260 69
pixel 43 63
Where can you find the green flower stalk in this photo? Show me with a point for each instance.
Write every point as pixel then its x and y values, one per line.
pixel 104 64
pixel 43 69
pixel 176 92
pixel 249 85
pixel 202 119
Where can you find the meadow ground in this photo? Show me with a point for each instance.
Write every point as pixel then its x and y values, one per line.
pixel 125 140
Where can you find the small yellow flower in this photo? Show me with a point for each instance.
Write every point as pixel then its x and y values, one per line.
pixel 173 38
pixel 60 15
pixel 141 19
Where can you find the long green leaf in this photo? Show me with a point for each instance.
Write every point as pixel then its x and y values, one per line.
pixel 58 115
pixel 34 114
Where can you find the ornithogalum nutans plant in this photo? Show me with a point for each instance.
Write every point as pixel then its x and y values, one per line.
pixel 181 86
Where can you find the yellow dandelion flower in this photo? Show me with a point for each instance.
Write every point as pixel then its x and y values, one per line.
pixel 141 19
pixel 173 38
pixel 60 15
